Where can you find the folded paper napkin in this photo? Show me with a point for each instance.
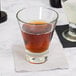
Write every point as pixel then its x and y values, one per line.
pixel 56 58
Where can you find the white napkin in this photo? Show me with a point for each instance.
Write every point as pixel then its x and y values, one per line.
pixel 56 58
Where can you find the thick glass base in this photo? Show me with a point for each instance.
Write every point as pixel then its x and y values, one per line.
pixel 36 60
pixel 68 35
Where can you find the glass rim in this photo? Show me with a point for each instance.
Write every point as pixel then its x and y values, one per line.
pixel 35 7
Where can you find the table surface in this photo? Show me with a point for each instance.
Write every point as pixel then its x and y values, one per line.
pixel 9 35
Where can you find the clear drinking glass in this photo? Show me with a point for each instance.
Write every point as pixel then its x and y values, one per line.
pixel 37 25
pixel 70 10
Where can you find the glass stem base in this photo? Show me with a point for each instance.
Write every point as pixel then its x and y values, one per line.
pixel 68 35
pixel 36 60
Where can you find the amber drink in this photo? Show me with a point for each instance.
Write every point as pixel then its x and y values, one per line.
pixel 37 31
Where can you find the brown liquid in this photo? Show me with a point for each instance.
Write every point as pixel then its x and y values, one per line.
pixel 36 36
